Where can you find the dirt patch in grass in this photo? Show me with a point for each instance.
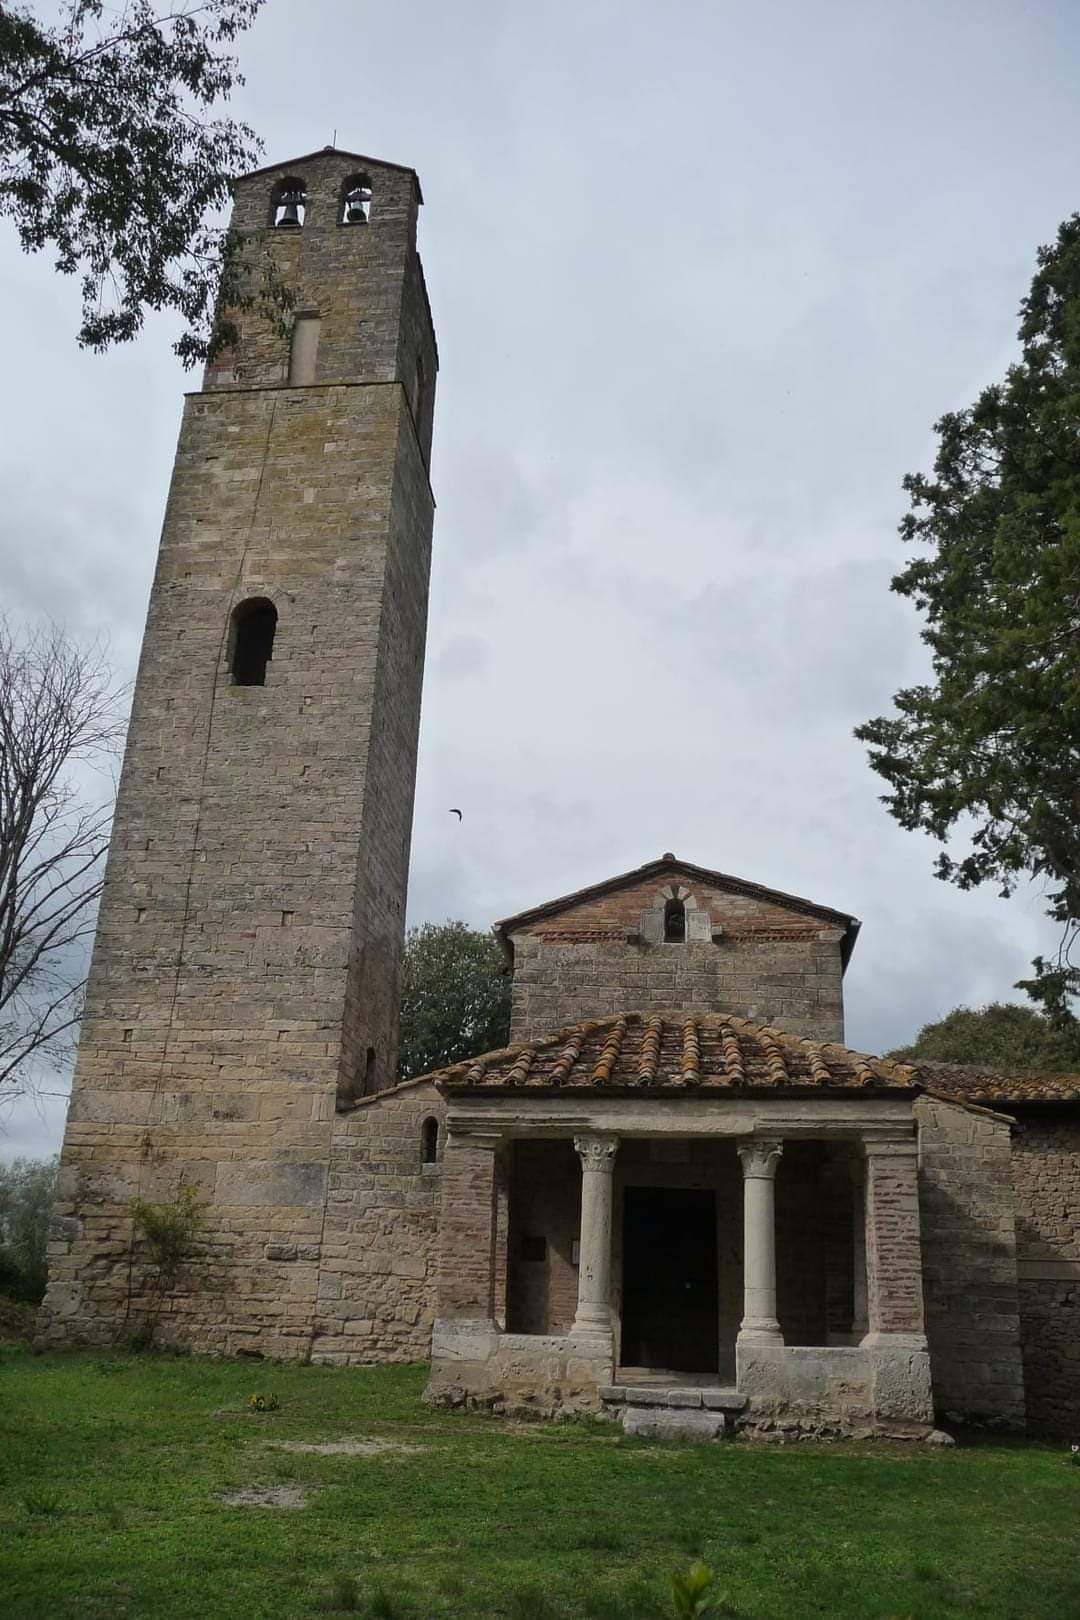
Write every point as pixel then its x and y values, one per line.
pixel 346 1448
pixel 269 1496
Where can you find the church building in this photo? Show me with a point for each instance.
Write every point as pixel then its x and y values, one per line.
pixel 676 1196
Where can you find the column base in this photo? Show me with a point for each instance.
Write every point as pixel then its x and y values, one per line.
pixel 760 1330
pixel 592 1319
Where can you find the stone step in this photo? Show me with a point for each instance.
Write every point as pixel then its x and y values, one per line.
pixel 713 1397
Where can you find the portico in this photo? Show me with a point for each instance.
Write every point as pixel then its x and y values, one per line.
pixel 763 1237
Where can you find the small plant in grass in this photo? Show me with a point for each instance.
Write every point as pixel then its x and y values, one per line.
pixel 169 1233
pixel 263 1403
pixel 42 1504
pixel 382 1605
pixel 346 1594
pixel 690 1593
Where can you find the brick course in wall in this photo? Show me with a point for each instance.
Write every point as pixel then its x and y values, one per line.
pixel 893 1247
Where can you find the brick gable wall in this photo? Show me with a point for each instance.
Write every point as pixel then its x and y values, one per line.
pixel 778 965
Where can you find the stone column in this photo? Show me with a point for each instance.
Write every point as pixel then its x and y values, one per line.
pixel 760 1157
pixel 597 1154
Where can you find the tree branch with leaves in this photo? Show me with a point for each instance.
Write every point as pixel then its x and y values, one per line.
pixel 111 155
pixel 991 746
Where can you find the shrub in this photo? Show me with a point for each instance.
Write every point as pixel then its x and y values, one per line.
pixel 169 1232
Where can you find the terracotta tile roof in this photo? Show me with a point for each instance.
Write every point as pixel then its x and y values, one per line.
pixel 677 1050
pixel 974 1083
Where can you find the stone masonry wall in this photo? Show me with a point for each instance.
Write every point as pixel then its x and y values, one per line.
pixel 969 1245
pixel 1046 1175
pixel 778 966
pixel 376 1290
pixel 365 283
pixel 249 932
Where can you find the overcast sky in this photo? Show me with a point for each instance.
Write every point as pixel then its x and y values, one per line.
pixel 703 277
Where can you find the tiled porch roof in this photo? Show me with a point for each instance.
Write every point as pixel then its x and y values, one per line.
pixel 975 1083
pixel 675 1051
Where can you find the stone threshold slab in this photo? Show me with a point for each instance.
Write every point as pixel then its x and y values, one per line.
pixel 712 1397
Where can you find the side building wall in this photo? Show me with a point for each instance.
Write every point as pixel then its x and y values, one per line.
pixel 1046 1175
pixel 969 1243
pixel 778 966
pixel 376 1286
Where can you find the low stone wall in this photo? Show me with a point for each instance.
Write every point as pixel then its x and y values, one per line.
pixel 881 1386
pixel 967 1215
pixel 472 1364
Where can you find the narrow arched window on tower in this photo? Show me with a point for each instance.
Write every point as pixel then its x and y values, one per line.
pixel 356 200
pixel 429 1141
pixel 252 641
pixel 674 922
pixel 288 205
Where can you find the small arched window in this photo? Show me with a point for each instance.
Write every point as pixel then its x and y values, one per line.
pixel 253 625
pixel 429 1141
pixel 288 205
pixel 674 922
pixel 356 200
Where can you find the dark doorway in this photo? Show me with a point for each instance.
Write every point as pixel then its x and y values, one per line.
pixel 670 1294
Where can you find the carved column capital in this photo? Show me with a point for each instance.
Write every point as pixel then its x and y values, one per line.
pixel 597 1152
pixel 760 1156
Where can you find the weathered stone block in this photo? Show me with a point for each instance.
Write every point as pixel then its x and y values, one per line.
pixel 664 1423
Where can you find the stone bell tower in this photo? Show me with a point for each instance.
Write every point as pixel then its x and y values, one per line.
pixel 245 974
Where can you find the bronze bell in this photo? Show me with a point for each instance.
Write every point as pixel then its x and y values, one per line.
pixel 290 212
pixel 355 212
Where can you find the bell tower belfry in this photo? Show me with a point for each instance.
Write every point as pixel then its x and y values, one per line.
pixel 244 984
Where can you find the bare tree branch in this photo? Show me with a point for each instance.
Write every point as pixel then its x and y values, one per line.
pixel 60 722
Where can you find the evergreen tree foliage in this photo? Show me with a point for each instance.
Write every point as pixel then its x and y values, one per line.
pixel 1003 1035
pixel 27 1188
pixel 991 747
pixel 111 157
pixel 455 997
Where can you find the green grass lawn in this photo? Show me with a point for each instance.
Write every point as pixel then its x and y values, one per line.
pixel 113 1470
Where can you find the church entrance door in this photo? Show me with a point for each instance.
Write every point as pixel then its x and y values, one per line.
pixel 670 1314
